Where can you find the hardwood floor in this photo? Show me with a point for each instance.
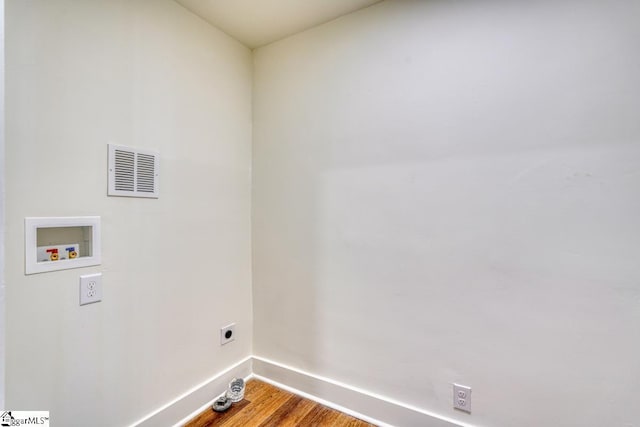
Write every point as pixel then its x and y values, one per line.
pixel 267 406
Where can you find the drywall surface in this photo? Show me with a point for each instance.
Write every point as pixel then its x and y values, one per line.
pixel 448 191
pixel 2 214
pixel 146 74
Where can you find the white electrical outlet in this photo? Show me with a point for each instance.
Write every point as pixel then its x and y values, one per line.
pixel 462 397
pixel 227 334
pixel 90 288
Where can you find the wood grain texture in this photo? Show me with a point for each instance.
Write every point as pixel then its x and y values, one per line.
pixel 267 406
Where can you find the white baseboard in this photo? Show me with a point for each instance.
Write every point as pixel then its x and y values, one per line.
pixel 182 408
pixel 367 406
pixel 322 401
pixel 379 410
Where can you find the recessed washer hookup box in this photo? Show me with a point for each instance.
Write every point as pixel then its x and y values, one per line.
pixel 59 243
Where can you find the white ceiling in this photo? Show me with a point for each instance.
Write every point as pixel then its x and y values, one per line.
pixel 259 22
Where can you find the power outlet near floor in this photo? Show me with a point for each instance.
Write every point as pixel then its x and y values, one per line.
pixel 227 334
pixel 90 288
pixel 462 397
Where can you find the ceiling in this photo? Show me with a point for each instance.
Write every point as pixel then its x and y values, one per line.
pixel 259 22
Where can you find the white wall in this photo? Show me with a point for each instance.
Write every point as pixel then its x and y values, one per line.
pixel 447 191
pixel 146 74
pixel 2 214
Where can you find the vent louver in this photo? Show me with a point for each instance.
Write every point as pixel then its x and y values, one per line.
pixel 146 173
pixel 124 176
pixel 133 172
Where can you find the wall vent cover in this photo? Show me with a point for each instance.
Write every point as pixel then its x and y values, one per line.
pixel 133 172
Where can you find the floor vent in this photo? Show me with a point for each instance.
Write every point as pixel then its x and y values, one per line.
pixel 133 172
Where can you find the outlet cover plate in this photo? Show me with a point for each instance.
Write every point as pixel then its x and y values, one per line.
pixel 227 334
pixel 90 288
pixel 462 397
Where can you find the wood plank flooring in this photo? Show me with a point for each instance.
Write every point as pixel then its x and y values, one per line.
pixel 267 406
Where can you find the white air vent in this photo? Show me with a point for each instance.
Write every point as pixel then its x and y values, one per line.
pixel 133 172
